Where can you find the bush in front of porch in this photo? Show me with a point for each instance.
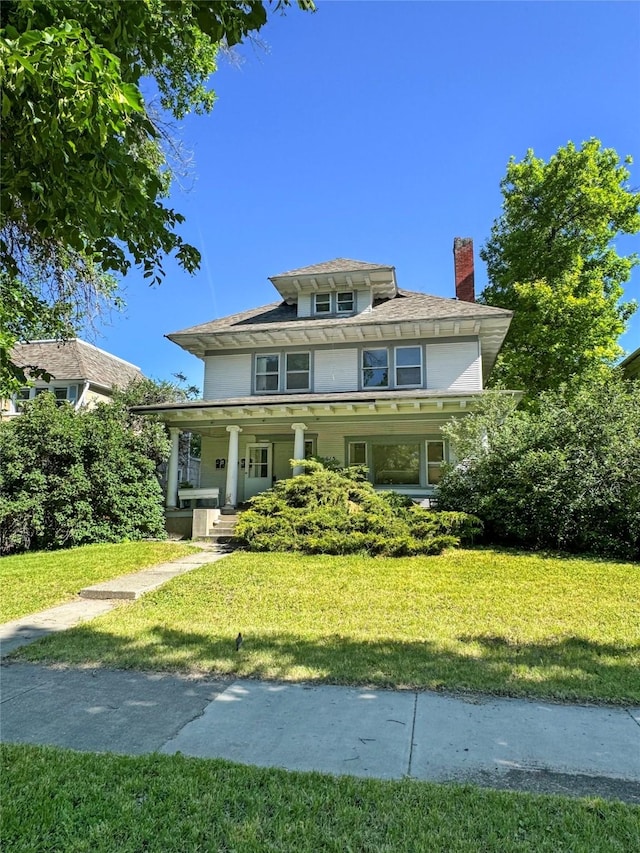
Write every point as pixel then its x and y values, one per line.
pixel 336 512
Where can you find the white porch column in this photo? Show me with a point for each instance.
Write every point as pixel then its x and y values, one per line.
pixel 298 446
pixel 231 488
pixel 172 472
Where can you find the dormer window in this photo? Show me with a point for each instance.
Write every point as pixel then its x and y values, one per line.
pixel 344 302
pixel 323 303
pixel 334 303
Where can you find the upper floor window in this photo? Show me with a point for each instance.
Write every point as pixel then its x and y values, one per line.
pixel 344 302
pixel 322 303
pixel 298 375
pixel 375 368
pixel 62 393
pixel 408 366
pixel 267 372
pixel 334 303
pixel 289 371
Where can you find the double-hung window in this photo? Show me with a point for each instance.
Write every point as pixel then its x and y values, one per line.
pixel 298 375
pixel 344 302
pixel 293 367
pixel 375 368
pixel 408 366
pixel 322 303
pixel 267 372
pixel 334 303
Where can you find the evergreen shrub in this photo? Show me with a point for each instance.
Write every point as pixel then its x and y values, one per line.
pixel 328 511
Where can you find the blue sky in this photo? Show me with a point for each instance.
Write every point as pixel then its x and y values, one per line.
pixel 379 131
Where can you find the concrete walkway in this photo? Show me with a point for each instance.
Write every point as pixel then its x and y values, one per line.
pixel 95 600
pixel 499 743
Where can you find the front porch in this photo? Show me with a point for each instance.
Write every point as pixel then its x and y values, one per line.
pixel 247 444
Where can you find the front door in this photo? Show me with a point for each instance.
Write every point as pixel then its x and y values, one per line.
pixel 257 472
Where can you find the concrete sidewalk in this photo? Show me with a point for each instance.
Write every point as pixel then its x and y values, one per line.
pixel 499 743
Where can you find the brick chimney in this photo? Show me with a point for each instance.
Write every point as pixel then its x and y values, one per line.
pixel 463 265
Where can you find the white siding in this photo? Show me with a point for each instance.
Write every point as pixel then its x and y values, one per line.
pixel 455 366
pixel 335 370
pixel 227 376
pixel 363 300
pixel 304 305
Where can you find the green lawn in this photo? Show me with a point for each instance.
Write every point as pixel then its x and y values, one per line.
pixel 55 799
pixel 481 620
pixel 35 581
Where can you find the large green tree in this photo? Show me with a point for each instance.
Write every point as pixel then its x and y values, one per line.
pixel 85 165
pixel 565 475
pixel 69 478
pixel 552 259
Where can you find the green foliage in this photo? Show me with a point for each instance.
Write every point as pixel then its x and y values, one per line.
pixel 565 476
pixel 84 158
pixel 329 512
pixel 58 799
pixel 551 258
pixel 70 478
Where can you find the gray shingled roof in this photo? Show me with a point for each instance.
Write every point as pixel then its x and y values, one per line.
pixel 407 305
pixel 76 359
pixel 334 266
pixel 260 401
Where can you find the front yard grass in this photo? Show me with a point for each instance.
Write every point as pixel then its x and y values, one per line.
pixel 41 579
pixel 484 620
pixel 56 799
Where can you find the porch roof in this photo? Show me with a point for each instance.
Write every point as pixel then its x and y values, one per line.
pixel 352 403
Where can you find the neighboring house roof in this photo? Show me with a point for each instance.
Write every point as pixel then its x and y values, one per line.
pixel 631 365
pixel 334 266
pixel 76 359
pixel 406 306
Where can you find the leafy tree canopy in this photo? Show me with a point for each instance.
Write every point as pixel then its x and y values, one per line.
pixel 564 476
pixel 69 478
pixel 551 258
pixel 85 173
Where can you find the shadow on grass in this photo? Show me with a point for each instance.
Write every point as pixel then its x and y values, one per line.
pixel 572 668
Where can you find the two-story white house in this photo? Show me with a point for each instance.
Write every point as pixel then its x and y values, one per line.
pixel 344 364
